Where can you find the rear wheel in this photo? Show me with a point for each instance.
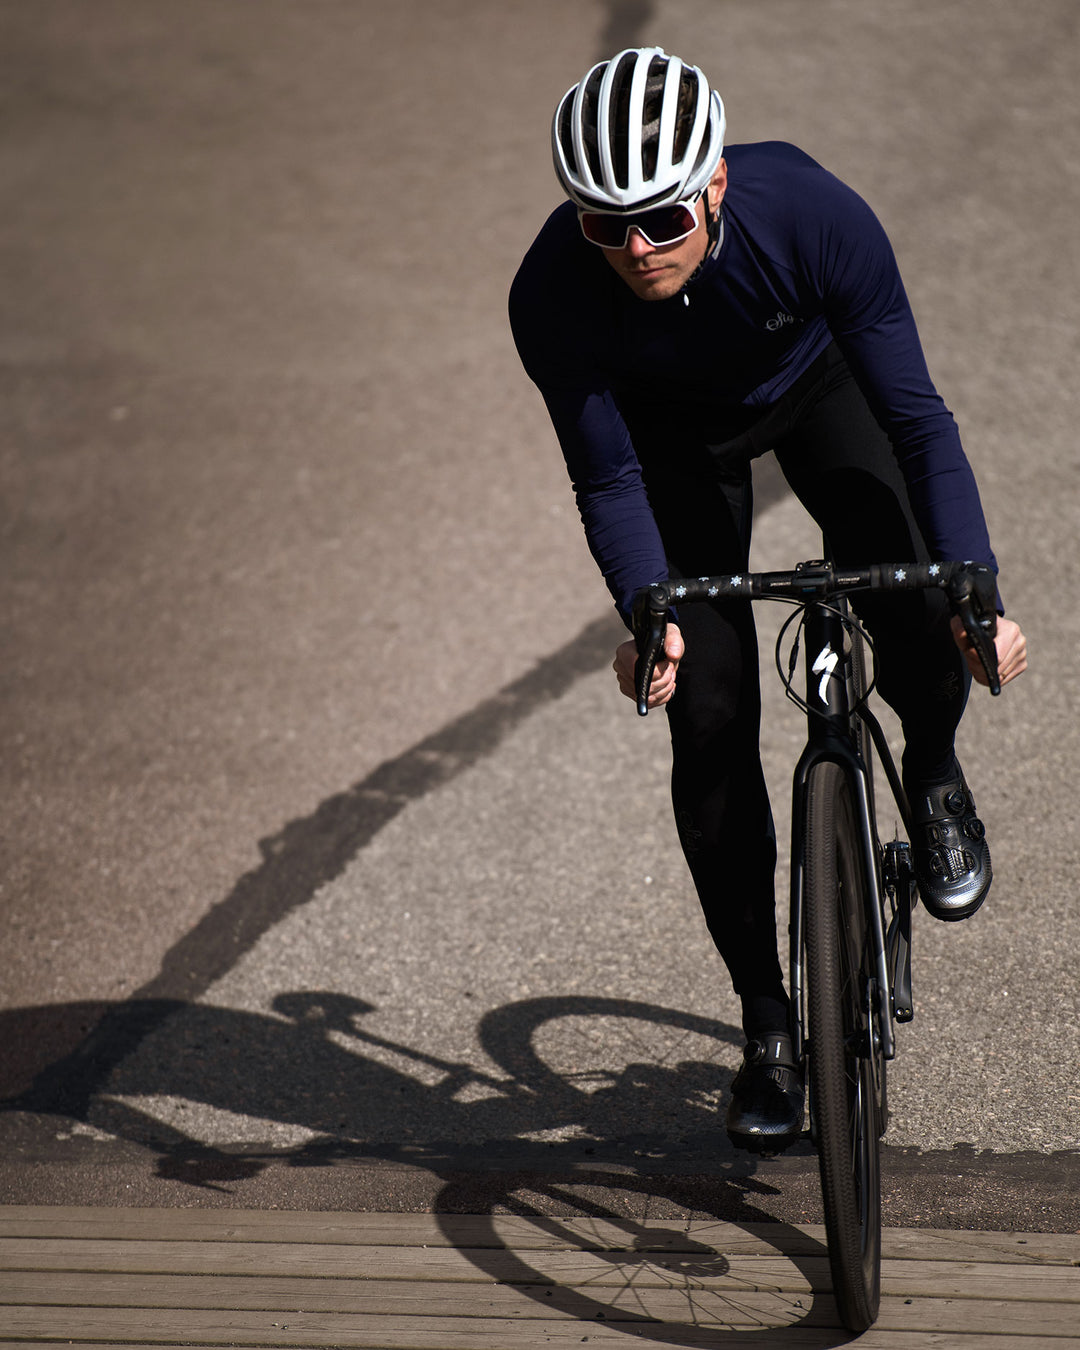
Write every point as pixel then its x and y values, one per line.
pixel 846 1065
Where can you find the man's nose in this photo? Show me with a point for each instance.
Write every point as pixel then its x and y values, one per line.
pixel 637 245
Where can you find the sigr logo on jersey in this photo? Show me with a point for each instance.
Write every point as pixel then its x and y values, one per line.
pixel 782 317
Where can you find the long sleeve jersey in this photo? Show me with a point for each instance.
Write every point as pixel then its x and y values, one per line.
pixel 802 262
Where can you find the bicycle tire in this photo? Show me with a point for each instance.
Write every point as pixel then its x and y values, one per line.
pixel 846 1067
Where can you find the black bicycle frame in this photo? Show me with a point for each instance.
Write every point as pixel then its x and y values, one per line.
pixel 820 590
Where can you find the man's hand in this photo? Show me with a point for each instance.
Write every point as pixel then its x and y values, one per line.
pixel 1011 651
pixel 663 680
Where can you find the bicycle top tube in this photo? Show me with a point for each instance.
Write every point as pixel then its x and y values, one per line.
pixel 971 589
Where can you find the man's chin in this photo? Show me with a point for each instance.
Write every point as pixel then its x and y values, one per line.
pixel 660 284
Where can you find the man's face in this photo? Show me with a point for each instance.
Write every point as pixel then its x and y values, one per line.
pixel 659 273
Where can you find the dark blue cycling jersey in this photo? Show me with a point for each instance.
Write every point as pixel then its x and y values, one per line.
pixel 802 261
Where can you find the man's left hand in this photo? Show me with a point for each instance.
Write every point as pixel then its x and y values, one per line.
pixel 1011 651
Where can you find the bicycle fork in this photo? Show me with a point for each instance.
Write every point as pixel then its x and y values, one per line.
pixel 830 697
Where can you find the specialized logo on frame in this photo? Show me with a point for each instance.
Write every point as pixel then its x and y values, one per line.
pixel 824 665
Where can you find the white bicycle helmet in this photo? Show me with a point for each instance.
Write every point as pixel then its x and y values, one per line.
pixel 640 130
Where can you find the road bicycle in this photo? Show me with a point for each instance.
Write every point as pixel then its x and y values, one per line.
pixel 851 896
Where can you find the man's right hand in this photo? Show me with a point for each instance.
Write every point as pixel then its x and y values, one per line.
pixel 663 680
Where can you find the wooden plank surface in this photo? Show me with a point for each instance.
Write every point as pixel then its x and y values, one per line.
pixel 473 1230
pixel 481 1333
pixel 407 1282
pixel 42 1301
pixel 933 1278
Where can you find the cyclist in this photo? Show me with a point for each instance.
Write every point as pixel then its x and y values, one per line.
pixel 684 312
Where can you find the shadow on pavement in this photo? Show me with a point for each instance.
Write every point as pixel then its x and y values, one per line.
pixel 312 1066
pixel 526 1136
pixel 553 1130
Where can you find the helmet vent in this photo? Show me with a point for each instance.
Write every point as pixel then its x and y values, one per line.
pixel 566 137
pixel 589 120
pixel 685 117
pixel 619 117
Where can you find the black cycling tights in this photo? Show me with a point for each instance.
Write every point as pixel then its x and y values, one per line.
pixel 841 466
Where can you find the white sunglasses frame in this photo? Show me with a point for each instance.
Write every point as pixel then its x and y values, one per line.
pixel 689 203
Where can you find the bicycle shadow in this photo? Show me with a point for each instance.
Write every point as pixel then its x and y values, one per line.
pixel 525 1136
pixel 647 1277
pixel 312 1065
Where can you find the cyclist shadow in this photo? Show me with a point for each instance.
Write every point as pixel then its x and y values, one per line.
pixel 548 1129
pixel 313 1066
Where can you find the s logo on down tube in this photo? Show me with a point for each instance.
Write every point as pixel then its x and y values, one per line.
pixel 824 665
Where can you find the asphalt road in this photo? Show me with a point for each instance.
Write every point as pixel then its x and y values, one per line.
pixel 336 871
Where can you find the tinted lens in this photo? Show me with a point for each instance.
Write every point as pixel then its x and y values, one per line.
pixel 662 225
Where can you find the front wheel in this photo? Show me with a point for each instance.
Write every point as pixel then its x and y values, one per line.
pixel 845 1061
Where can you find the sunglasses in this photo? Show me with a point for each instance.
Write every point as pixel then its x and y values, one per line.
pixel 661 226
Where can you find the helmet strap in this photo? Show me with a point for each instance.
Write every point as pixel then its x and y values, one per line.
pixel 715 237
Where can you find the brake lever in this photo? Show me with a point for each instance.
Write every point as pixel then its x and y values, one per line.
pixel 972 592
pixel 650 628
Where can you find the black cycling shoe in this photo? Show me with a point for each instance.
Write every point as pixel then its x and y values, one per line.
pixel 765 1113
pixel 949 849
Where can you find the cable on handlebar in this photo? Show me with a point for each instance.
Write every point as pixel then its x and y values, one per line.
pixel 787 678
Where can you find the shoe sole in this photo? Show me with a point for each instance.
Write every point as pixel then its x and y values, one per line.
pixel 765 1145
